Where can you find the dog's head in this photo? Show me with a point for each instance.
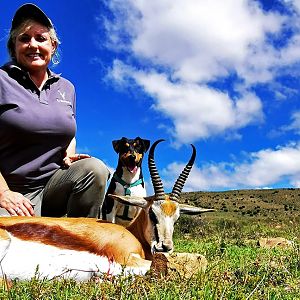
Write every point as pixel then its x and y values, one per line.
pixel 131 152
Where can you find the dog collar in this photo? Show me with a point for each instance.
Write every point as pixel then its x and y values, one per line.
pixel 126 185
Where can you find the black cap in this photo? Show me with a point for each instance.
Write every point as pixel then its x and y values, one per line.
pixel 30 11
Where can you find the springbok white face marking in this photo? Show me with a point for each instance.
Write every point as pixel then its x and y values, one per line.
pixel 163 215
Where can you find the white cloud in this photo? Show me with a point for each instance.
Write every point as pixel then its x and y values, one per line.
pixel 263 168
pixel 173 49
pixel 295 4
pixel 198 40
pixel 290 54
pixel 295 124
pixel 197 111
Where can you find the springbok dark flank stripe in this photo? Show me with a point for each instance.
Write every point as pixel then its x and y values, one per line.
pixel 54 235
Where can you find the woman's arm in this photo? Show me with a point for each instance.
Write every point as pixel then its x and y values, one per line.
pixel 71 155
pixel 3 185
pixel 71 150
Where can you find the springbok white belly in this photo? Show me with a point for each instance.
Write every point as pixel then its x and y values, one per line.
pixel 25 259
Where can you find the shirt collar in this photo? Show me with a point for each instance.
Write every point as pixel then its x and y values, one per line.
pixel 13 66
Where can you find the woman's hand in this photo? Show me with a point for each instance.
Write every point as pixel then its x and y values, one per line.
pixel 16 204
pixel 71 158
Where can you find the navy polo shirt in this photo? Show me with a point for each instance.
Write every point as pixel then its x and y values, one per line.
pixel 35 127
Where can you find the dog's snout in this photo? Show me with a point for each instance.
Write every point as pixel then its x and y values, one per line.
pixel 132 156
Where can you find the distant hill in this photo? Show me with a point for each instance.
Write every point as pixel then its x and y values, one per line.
pixel 263 203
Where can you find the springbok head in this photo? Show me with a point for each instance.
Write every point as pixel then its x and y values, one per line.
pixel 161 211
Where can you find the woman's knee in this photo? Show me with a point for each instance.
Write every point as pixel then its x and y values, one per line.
pixel 96 168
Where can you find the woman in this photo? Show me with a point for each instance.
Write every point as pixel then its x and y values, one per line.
pixel 40 172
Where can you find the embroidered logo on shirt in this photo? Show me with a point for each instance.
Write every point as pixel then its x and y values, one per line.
pixel 62 94
pixel 63 98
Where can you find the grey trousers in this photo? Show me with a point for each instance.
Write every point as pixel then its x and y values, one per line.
pixel 77 191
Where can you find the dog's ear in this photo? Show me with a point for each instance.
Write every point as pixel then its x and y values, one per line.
pixel 116 145
pixel 145 143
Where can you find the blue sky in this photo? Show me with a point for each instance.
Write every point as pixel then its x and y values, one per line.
pixel 223 75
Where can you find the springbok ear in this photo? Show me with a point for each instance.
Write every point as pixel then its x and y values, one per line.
pixel 193 210
pixel 132 200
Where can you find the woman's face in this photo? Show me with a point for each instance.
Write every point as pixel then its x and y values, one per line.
pixel 34 47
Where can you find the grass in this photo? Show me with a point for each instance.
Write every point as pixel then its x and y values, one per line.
pixel 237 269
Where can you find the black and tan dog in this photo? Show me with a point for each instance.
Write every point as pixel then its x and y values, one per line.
pixel 127 180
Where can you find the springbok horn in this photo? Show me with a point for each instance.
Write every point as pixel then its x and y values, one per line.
pixel 156 181
pixel 178 186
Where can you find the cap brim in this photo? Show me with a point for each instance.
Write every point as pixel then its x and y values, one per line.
pixel 30 11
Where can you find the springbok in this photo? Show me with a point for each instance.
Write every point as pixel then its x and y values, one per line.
pixel 81 248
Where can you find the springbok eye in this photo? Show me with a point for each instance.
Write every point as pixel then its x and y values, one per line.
pixel 153 217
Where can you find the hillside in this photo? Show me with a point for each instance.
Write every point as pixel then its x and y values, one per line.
pixel 260 203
